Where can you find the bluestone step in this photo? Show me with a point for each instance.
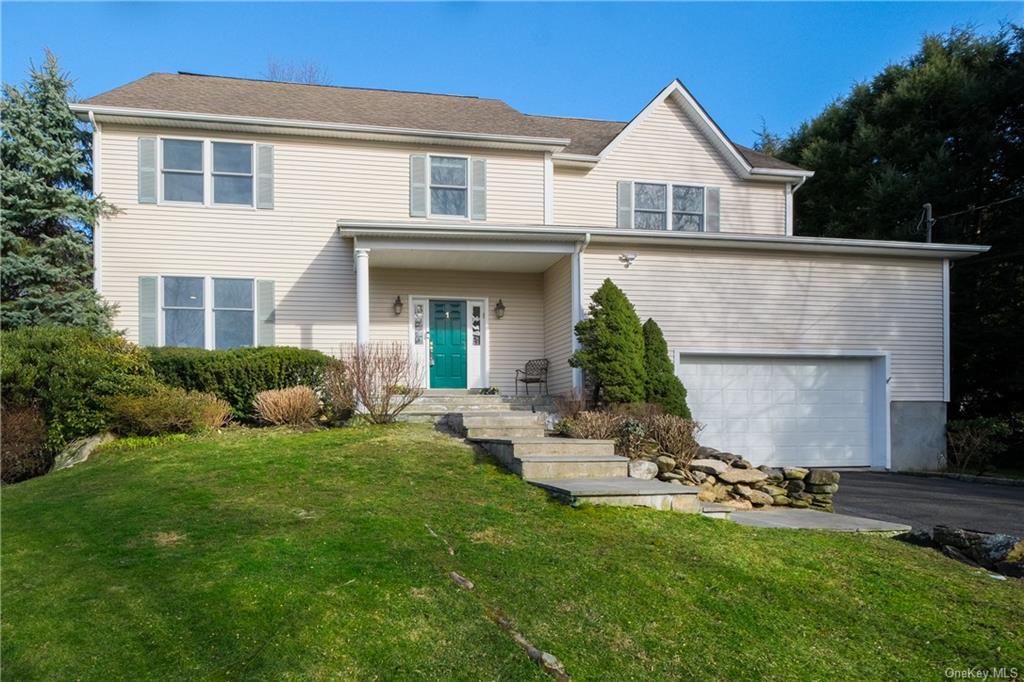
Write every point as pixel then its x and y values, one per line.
pixel 623 492
pixel 561 467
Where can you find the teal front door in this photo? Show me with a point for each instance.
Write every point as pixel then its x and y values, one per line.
pixel 448 344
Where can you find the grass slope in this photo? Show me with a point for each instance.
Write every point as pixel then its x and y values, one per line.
pixel 304 556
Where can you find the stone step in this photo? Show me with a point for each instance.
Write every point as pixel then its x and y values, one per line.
pixel 550 445
pixel 489 432
pixel 622 492
pixel 498 419
pixel 716 511
pixel 559 467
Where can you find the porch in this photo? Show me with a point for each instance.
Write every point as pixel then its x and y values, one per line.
pixel 472 310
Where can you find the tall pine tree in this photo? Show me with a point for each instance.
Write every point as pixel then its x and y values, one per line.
pixel 47 208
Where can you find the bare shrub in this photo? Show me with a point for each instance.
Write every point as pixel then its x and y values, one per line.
pixel 568 405
pixel 339 393
pixel 307 72
pixel 674 436
pixel 592 425
pixel 385 379
pixel 295 406
pixel 973 443
pixel 23 452
pixel 167 410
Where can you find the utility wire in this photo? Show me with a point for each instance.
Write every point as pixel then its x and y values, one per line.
pixel 976 208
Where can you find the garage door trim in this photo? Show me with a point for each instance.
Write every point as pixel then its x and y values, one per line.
pixel 881 451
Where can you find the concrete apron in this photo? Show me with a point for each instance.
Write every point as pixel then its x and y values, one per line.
pixel 808 519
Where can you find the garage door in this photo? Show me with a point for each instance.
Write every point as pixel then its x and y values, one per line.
pixel 783 411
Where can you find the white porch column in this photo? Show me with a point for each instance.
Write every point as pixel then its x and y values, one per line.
pixel 362 258
pixel 577 310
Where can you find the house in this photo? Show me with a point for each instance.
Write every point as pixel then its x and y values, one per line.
pixel 257 212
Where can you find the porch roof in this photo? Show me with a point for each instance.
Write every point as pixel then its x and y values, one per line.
pixel 550 239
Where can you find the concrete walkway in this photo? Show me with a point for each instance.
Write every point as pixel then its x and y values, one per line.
pixel 925 502
pixel 806 519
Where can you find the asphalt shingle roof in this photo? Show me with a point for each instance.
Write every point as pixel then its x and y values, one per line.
pixel 360 106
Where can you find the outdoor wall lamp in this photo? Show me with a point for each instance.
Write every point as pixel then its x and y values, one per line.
pixel 397 305
pixel 499 310
pixel 628 258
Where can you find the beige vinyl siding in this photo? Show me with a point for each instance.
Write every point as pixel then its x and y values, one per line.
pixel 316 182
pixel 512 340
pixel 667 147
pixel 558 325
pixel 733 300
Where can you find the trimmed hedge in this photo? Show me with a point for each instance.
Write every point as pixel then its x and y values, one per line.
pixel 70 374
pixel 237 375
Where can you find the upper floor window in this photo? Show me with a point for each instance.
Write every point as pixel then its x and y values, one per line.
pixel 449 185
pixel 659 206
pixel 182 170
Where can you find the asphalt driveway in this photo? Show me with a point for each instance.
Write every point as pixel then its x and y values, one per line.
pixel 924 502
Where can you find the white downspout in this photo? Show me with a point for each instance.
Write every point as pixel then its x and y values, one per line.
pixel 577 305
pixel 790 191
pixel 97 236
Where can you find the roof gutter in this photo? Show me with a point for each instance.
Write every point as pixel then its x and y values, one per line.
pixel 355 228
pixel 158 115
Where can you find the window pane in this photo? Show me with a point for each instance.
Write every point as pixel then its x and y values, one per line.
pixel 650 197
pixel 183 187
pixel 233 328
pixel 687 222
pixel 183 292
pixel 647 220
pixel 231 157
pixel 232 189
pixel 688 199
pixel 184 328
pixel 183 155
pixel 445 170
pixel 448 201
pixel 232 293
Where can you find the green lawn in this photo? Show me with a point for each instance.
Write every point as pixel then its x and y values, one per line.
pixel 263 554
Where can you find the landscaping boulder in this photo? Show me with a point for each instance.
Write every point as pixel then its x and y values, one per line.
pixel 698 476
pixel 708 466
pixel 794 473
pixel 829 489
pixel 741 463
pixel 775 474
pixel 795 486
pixel 798 504
pixel 821 477
pixel 642 469
pixel 670 476
pixel 738 505
pixel 760 499
pixel 773 490
pixel 79 451
pixel 781 501
pixel 742 476
pixel 704 452
pixel 665 463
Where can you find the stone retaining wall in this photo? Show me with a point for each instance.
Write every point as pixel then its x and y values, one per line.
pixel 730 479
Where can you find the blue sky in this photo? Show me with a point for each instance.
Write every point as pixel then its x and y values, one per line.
pixel 778 61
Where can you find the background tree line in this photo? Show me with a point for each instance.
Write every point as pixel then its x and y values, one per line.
pixel 945 126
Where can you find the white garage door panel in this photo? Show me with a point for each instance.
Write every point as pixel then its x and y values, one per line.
pixel 783 411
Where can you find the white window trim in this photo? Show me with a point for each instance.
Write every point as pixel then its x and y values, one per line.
pixel 668 203
pixel 209 333
pixel 207 173
pixel 467 188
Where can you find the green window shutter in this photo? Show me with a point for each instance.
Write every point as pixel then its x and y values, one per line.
pixel 264 176
pixel 418 185
pixel 712 209
pixel 266 313
pixel 625 205
pixel 148 311
pixel 478 195
pixel 147 170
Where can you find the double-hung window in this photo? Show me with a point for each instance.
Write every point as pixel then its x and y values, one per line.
pixel 662 206
pixel 232 173
pixel 192 319
pixel 182 171
pixel 449 185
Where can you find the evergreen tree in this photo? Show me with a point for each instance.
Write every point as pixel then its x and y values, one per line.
pixel 47 207
pixel 663 387
pixel 612 347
